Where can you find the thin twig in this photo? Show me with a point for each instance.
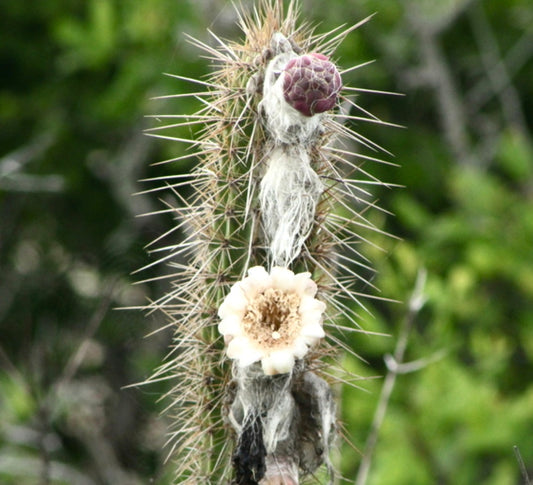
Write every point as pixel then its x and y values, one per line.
pixel 416 302
pixel 75 360
pixel 515 58
pixel 522 465
pixel 48 403
pixel 440 78
pixel 496 71
pixel 16 160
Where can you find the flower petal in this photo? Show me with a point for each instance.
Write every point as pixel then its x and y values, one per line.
pixel 310 341
pixel 243 352
pixel 282 278
pixel 278 362
pixel 257 281
pixel 234 303
pixel 304 285
pixel 313 330
pixel 230 325
pixel 310 304
pixel 258 272
pixel 299 348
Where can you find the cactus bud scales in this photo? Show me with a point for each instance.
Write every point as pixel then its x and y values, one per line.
pixel 249 174
pixel 311 84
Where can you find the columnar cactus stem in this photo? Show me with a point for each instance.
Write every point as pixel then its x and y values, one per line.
pixel 270 264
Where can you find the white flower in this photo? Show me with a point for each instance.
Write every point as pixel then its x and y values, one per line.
pixel 273 318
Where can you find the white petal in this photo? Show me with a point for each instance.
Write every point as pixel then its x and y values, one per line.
pixel 299 348
pixel 230 325
pixel 258 272
pixel 243 352
pixel 278 362
pixel 282 278
pixel 231 307
pixel 310 341
pixel 304 285
pixel 312 318
pixel 257 281
pixel 237 291
pixel 313 330
pixel 309 304
pixel 234 303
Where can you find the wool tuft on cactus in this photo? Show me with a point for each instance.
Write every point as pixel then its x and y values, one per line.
pixel 267 275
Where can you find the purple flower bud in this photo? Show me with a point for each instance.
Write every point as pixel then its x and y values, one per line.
pixel 311 84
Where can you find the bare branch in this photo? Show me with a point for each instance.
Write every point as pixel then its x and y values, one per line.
pixel 415 304
pixel 439 76
pixel 522 466
pixel 497 76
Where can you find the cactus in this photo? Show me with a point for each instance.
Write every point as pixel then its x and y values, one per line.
pixel 271 261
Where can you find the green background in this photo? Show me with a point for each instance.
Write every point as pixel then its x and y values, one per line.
pixel 78 79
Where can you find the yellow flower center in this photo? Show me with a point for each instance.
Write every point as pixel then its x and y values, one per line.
pixel 273 318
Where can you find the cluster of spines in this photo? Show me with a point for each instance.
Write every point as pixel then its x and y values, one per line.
pixel 223 231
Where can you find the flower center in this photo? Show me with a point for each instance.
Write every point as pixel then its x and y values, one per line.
pixel 273 318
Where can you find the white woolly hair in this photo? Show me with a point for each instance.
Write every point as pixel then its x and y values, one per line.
pixel 296 411
pixel 289 193
pixel 268 397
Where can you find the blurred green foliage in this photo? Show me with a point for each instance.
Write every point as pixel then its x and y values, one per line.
pixel 77 82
